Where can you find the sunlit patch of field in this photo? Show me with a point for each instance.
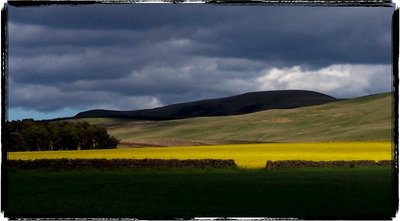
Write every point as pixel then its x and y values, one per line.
pixel 342 121
pixel 245 155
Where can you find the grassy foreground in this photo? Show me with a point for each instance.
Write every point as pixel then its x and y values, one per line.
pixel 357 193
pixel 245 155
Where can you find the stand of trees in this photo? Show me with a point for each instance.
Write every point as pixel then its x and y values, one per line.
pixel 30 135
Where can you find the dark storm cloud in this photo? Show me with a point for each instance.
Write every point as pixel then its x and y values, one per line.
pixel 133 17
pixel 309 35
pixel 145 55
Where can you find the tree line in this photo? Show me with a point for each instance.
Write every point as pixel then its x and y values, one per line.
pixel 30 135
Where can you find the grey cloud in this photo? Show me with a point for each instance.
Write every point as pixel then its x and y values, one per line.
pixel 150 55
pixel 189 80
pixel 295 34
pixel 27 35
pixel 69 67
pixel 48 99
pixel 134 16
pixel 191 75
pixel 159 86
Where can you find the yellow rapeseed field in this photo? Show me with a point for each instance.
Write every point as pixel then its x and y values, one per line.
pixel 245 155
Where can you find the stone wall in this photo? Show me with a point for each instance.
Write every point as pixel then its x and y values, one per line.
pixel 118 163
pixel 339 163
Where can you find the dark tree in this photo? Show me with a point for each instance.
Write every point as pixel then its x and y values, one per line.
pixel 30 135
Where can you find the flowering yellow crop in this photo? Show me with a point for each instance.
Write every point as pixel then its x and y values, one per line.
pixel 245 155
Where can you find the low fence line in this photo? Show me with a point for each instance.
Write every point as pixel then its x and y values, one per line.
pixel 118 163
pixel 337 163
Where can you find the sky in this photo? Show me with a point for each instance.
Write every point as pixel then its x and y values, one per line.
pixel 70 58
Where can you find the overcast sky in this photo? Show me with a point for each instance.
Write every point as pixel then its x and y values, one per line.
pixel 66 59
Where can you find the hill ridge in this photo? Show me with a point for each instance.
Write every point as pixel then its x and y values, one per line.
pixel 245 103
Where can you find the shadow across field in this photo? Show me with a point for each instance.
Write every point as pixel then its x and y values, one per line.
pixel 317 193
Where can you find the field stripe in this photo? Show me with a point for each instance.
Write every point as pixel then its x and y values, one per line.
pixel 245 155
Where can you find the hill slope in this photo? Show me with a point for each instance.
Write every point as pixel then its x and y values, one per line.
pixel 360 119
pixel 235 105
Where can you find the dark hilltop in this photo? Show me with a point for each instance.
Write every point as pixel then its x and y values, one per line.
pixel 234 105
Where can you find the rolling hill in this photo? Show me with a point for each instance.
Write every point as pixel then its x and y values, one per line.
pixel 235 105
pixel 359 119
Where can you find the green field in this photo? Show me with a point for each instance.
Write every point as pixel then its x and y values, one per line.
pixel 356 193
pixel 356 129
pixel 361 119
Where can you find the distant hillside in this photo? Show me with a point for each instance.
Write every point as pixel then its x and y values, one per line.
pixel 235 105
pixel 359 119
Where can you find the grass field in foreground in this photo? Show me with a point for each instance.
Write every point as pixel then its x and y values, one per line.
pixel 325 193
pixel 245 155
